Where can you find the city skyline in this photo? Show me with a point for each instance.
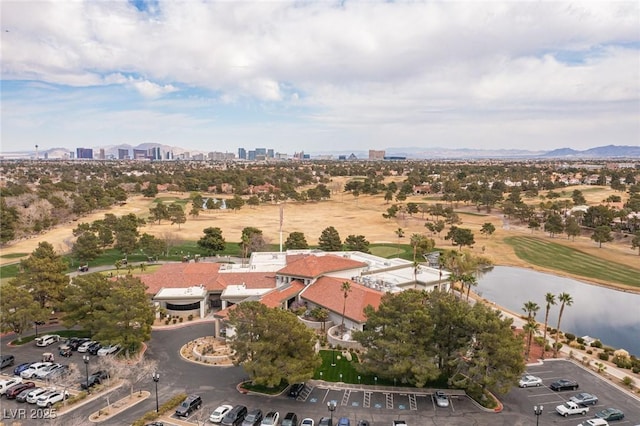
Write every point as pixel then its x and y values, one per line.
pixel 320 76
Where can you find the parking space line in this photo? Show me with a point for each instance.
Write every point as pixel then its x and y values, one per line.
pixel 345 397
pixel 389 400
pixel 366 403
pixel 412 402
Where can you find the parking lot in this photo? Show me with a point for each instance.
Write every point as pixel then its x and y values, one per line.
pixel 379 406
pixel 608 395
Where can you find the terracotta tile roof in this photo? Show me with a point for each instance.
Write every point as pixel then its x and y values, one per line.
pixel 312 266
pixel 274 298
pixel 183 275
pixel 223 314
pixel 250 279
pixel 327 292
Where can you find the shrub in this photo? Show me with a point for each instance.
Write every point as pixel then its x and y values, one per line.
pixel 628 381
pixel 190 317
pixel 596 344
pixel 558 345
pixel 589 351
pixel 636 370
pixel 580 340
pixel 570 337
pixel 170 405
pixel 181 319
pixel 603 356
pixel 167 321
pixel 582 347
pixel 174 320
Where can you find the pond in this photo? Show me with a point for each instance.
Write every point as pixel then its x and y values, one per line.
pixel 612 316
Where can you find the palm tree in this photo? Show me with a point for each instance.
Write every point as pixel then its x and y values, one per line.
pixel 530 327
pixel 550 298
pixel 531 308
pixel 400 233
pixel 564 299
pixel 415 240
pixel 468 280
pixel 322 314
pixel 346 289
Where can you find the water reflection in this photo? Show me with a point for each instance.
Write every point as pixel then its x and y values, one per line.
pixel 610 315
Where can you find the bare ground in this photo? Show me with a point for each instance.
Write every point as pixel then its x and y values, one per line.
pixel 349 215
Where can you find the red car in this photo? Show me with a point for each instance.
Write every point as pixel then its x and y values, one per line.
pixel 15 390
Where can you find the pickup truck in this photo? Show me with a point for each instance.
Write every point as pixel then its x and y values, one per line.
pixel 570 407
pixel 399 423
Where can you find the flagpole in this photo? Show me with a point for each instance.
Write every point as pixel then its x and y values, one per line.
pixel 281 219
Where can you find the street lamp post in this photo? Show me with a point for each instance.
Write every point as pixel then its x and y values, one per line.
pixel 331 405
pixel 37 323
pixel 537 410
pixel 85 358
pixel 156 379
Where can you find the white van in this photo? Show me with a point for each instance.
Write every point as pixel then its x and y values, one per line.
pixel 47 340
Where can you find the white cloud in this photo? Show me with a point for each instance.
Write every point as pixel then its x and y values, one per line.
pixel 404 65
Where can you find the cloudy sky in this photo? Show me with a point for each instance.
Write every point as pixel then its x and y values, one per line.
pixel 320 75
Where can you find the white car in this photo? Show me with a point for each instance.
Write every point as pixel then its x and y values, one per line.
pixel 271 419
pixel 218 413
pixel 594 422
pixel 33 369
pixel 6 384
pixel 108 350
pixel 32 397
pixel 50 398
pixel 85 346
pixel 307 422
pixel 529 380
pixel 442 400
pixel 42 373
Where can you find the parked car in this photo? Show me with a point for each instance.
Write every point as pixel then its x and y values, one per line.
pixel 253 418
pixel 218 413
pixel 343 421
pixel 49 398
pixel 93 349
pixel 43 372
pixel 16 389
pixel 364 423
pixel 325 421
pixel 290 419
pixel 108 350
pixel 610 414
pixel 307 422
pixel 94 379
pixel 75 342
pixel 564 384
pixel 33 369
pixel 7 383
pixel 235 416
pixel 57 373
pixel 529 380
pixel 32 397
pixel 189 405
pixel 584 398
pixel 47 339
pixel 441 398
pixel 271 419
pixel 594 422
pixel 22 396
pixel 295 389
pixel 21 367
pixel 570 408
pixel 84 347
pixel 83 268
pixel 6 360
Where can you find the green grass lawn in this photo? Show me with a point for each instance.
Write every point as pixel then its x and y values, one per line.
pixel 557 256
pixel 14 255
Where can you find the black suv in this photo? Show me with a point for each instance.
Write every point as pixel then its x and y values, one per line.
pixel 295 389
pixel 189 405
pixel 94 379
pixel 75 342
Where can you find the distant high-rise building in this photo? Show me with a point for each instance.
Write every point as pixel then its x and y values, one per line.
pixel 376 155
pixel 101 155
pixel 84 153
pixel 251 156
pixel 139 154
pixel 123 154
pixel 72 155
pixel 261 152
pixel 270 153
pixel 154 153
pixel 242 153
